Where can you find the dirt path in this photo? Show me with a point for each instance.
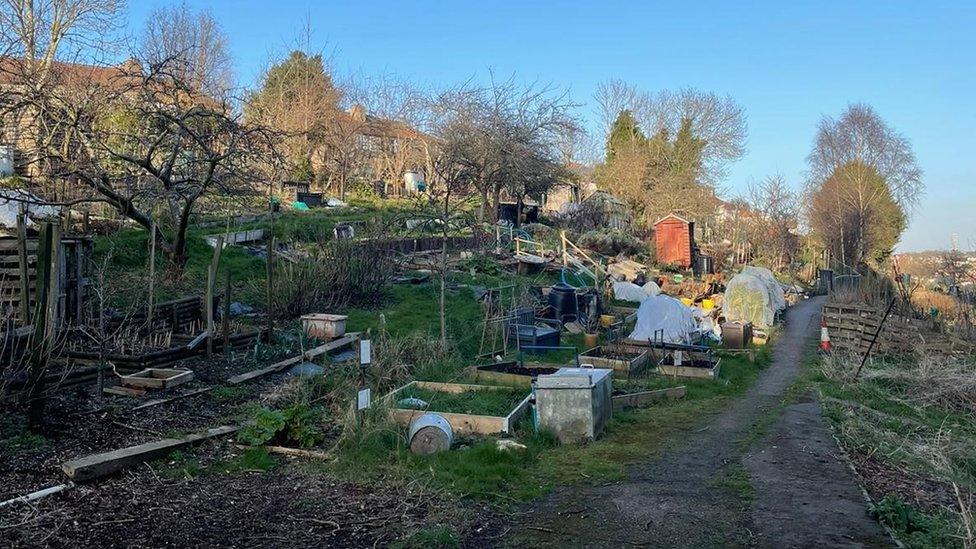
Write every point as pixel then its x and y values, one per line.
pixel 789 489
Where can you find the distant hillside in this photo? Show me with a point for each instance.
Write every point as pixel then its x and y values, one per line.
pixel 924 264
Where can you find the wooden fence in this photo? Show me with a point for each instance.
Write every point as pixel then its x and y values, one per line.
pixel 852 326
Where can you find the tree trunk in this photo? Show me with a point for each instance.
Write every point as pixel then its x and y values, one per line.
pixel 444 233
pixel 495 200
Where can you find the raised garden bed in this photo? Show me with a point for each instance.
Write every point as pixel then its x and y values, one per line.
pixel 511 373
pixel 701 368
pixel 624 361
pixel 470 409
pixel 157 378
pixel 623 400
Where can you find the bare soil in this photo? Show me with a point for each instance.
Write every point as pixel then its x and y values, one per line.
pixel 792 488
pixel 297 504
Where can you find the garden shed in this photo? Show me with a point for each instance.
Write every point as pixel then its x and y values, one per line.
pixel 674 239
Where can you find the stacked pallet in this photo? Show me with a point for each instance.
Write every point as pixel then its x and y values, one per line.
pixel 852 327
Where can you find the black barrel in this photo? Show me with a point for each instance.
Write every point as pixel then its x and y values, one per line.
pixel 562 298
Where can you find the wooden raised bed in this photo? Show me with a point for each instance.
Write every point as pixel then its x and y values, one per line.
pixel 645 398
pixel 462 424
pixel 625 361
pixel 163 357
pixel 157 378
pixel 698 368
pixel 511 373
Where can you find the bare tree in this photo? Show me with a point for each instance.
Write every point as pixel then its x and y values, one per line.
pixel 193 44
pixel 38 38
pixel 777 208
pixel 863 183
pixel 144 138
pixel 861 136
pixel 399 108
pixel 500 131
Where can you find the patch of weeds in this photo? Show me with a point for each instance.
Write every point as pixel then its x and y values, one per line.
pixel 431 537
pixel 917 529
pixel 253 459
pixel 16 437
pixel 178 466
pixel 295 425
pixel 225 393
pixel 733 480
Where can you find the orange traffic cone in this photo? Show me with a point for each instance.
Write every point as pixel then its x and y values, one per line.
pixel 824 336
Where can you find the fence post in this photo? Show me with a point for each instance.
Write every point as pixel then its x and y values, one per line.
pixel 25 312
pixel 225 316
pixel 270 281
pixel 43 326
pixel 208 306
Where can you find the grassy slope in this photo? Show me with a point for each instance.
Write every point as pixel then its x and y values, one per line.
pixel 477 469
pixel 886 427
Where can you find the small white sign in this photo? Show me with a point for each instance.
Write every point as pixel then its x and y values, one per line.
pixel 678 358
pixel 362 400
pixel 365 352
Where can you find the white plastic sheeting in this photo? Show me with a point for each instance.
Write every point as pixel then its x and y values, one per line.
pixel 664 316
pixel 775 288
pixel 9 208
pixel 628 291
pixel 754 296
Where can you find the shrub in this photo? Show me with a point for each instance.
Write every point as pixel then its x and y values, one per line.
pixel 611 242
pixel 339 274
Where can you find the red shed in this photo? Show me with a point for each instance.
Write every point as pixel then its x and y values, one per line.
pixel 674 238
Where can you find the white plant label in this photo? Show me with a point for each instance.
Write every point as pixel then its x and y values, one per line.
pixel 362 400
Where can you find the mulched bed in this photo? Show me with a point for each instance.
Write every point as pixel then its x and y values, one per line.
pixel 80 423
pixel 141 507
pixel 278 509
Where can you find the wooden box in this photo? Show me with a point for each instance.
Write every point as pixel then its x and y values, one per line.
pixel 157 378
pixel 324 326
pixel 624 361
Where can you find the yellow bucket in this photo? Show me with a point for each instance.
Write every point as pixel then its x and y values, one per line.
pixel 606 320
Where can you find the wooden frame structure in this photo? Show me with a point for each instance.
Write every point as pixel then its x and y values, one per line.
pixel 462 424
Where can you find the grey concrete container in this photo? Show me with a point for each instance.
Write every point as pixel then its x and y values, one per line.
pixel 575 403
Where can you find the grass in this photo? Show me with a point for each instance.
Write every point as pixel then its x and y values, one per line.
pixel 485 403
pixel 733 480
pixel 16 437
pixel 181 465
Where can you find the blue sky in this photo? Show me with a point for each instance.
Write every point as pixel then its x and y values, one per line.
pixel 788 63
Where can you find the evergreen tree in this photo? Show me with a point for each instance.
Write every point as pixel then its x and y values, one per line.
pixel 624 134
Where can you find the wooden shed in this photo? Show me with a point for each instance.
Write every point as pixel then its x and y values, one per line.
pixel 674 239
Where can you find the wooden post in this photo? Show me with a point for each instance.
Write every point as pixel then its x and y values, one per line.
pixel 270 280
pixel 152 274
pixel 225 317
pixel 562 238
pixel 208 306
pixel 25 311
pixel 42 326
